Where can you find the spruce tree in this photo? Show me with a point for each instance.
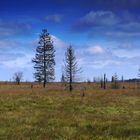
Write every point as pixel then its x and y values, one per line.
pixel 71 67
pixel 44 59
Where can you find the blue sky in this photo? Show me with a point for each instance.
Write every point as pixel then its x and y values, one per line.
pixel 104 34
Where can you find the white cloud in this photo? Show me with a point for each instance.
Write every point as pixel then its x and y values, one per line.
pixel 121 34
pixel 127 45
pixel 58 43
pixel 126 53
pixel 6 44
pixel 100 18
pixel 103 63
pixel 20 62
pixel 95 50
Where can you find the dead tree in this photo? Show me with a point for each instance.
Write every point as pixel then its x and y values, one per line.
pixel 18 77
pixel 104 81
pixel 71 67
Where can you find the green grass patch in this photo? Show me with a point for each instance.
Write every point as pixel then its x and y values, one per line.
pixel 97 116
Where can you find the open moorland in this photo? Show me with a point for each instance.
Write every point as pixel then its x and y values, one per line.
pixel 54 113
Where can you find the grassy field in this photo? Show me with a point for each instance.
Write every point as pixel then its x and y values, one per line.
pixel 56 114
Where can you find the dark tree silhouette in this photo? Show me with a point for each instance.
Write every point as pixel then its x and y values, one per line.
pixel 112 79
pixel 44 59
pixel 101 82
pixel 115 83
pixel 71 67
pixel 138 78
pixel 139 74
pixel 18 77
pixel 62 78
pixel 104 81
pixel 122 79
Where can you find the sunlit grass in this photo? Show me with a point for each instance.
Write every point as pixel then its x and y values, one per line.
pixel 54 113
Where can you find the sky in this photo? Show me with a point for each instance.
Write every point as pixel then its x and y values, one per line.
pixel 105 35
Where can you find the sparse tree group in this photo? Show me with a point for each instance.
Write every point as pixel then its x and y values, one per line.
pixel 44 62
pixel 44 65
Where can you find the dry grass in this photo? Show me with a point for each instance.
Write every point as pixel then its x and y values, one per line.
pixel 56 114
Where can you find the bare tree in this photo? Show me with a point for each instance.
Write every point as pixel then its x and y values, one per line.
pixel 115 83
pixel 63 78
pixel 139 74
pixel 104 81
pixel 122 79
pixel 44 59
pixel 71 67
pixel 112 79
pixel 18 77
pixel 101 82
pixel 138 79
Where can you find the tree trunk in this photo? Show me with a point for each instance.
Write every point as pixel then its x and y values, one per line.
pixel 70 87
pixel 44 84
pixel 104 81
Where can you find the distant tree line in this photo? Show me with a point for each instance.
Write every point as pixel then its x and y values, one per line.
pixel 44 65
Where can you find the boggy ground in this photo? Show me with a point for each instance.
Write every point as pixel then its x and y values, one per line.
pixel 54 113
